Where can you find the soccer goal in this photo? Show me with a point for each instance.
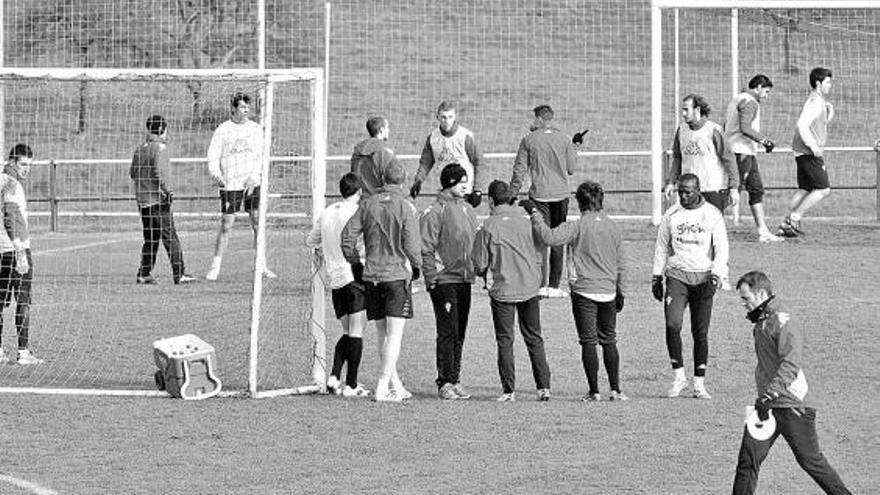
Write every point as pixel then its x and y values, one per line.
pixel 90 322
pixel 713 47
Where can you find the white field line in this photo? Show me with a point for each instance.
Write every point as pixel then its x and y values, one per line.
pixel 26 485
pixel 77 247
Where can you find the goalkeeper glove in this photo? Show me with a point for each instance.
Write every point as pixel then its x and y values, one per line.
pixel 169 198
pixel 528 205
pixel 475 198
pixel 416 273
pixel 415 189
pixel 768 145
pixel 578 138
pixel 762 405
pixel 618 302
pixel 657 287
pixel 357 271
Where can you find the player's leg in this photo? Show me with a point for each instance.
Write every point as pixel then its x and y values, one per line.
pixel 22 293
pixel 798 427
pixel 150 224
pixel 252 207
pixel 357 320
pixel 700 301
pixel 544 208
pixel 397 304
pixel 446 318
pixel 607 334
pixel 334 386
pixel 529 314
pixel 230 202
pixel 558 212
pixel 171 241
pixel 503 318
pixel 751 455
pixel 463 296
pixel 7 264
pixel 673 310
pixel 585 321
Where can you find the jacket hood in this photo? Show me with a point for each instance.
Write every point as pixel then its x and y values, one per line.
pixel 370 146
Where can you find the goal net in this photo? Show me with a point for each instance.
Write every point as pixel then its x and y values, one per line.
pixel 713 48
pixel 90 321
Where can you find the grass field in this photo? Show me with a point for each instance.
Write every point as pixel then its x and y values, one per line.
pixel 322 444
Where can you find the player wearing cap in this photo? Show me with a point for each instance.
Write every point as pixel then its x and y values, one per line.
pixel 447 229
pixel 150 172
pixel 782 387
pixel 505 246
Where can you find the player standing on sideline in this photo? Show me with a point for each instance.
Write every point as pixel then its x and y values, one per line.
pixel 699 148
pixel 504 245
pixel 447 229
pixel 549 157
pixel 235 158
pixel 16 263
pixel 390 229
pixel 346 284
pixel 691 252
pixel 451 143
pixel 597 269
pixel 808 145
pixel 782 387
pixel 743 133
pixel 372 157
pixel 150 170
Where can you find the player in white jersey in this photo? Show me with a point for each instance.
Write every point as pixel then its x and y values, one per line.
pixel 808 146
pixel 235 158
pixel 743 132
pixel 16 263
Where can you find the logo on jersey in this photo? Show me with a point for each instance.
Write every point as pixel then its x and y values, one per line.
pixel 692 148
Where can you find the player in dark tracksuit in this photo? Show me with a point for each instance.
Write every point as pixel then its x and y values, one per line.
pixel 372 157
pixel 447 229
pixel 504 245
pixel 782 387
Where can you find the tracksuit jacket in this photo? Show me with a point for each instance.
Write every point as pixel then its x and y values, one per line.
pixel 369 160
pixel 597 255
pixel 390 228
pixel 448 227
pixel 779 346
pixel 549 156
pixel 150 170
pixel 504 244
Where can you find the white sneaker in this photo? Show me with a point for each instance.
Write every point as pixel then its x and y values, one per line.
pixel 701 393
pixel 387 396
pixel 401 391
pixel 334 386
pixel 358 391
pixel 677 387
pixel 769 238
pixel 213 273
pixel 511 397
pixel 25 358
pixel 4 359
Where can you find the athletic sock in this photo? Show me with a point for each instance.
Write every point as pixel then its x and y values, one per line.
pixel 699 382
pixel 590 360
pixel 355 351
pixel 679 374
pixel 339 355
pixel 612 365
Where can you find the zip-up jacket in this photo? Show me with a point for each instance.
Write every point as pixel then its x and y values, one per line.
pixel 150 171
pixel 369 160
pixel 391 236
pixel 448 227
pixel 596 257
pixel 779 346
pixel 504 244
pixel 549 156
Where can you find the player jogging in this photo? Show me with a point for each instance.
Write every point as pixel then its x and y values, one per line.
pixel 743 132
pixel 346 284
pixel 808 146
pixel 16 263
pixel 782 388
pixel 235 158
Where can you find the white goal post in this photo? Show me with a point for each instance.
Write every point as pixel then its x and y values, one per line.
pixel 729 54
pixel 308 118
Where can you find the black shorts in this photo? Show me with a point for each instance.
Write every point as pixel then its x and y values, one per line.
pixel 349 299
pixel 12 283
pixel 811 174
pixel 750 178
pixel 232 201
pixel 718 199
pixel 389 299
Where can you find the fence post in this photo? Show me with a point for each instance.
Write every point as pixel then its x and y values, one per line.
pixel 53 197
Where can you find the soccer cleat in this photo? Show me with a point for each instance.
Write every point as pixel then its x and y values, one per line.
pixel 790 228
pixel 618 396
pixel 591 398
pixel 676 388
pixel 462 393
pixel 185 279
pixel 4 359
pixel 213 273
pixel 401 390
pixel 387 396
pixel 543 394
pixel 769 238
pixel 358 391
pixel 447 392
pixel 511 397
pixel 334 386
pixel 25 357
pixel 146 279
pixel 701 393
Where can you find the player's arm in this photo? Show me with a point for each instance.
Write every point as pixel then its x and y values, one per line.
pixel 215 151
pixel 429 227
pixel 570 157
pixel 163 169
pixel 520 166
pixel 812 110
pixel 661 247
pixel 412 242
pixel 747 110
pixel 560 235
pixel 675 167
pixel 789 347
pixel 727 159
pixel 480 252
pixel 256 167
pixel 349 238
pixel 721 248
pixel 313 240
pixel 476 158
pixel 426 161
pixel 13 218
pixel 622 282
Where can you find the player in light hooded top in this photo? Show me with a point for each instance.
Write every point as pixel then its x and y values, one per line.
pixel 235 158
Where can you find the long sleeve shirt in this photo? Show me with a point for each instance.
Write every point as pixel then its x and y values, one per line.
pixel 779 346
pixel 369 160
pixel 548 156
pixel 691 244
pixel 743 126
pixel 150 172
pixel 448 227
pixel 14 210
pixel 505 246
pixel 326 235
pixel 456 146
pixel 700 149
pixel 235 155
pixel 392 244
